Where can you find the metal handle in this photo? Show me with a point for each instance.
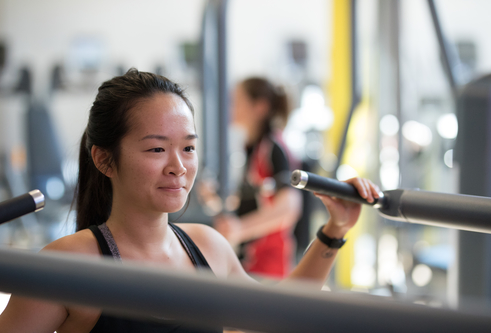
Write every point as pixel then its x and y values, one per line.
pixel 21 205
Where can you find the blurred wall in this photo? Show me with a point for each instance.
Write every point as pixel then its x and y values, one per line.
pixel 259 33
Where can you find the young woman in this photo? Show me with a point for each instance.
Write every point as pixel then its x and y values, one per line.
pixel 137 164
pixel 269 207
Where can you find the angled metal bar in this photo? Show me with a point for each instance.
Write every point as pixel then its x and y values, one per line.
pixel 449 58
pixel 355 86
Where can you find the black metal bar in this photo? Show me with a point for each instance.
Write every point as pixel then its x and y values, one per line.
pixel 395 42
pixel 140 291
pixel 214 82
pixel 223 100
pixel 311 182
pixel 456 211
pixel 21 205
pixel 209 85
pixel 448 57
pixel 355 94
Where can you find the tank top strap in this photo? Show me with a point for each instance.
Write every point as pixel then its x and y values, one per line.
pixel 106 241
pixel 191 248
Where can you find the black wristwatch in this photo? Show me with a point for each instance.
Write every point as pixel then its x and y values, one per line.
pixel 333 243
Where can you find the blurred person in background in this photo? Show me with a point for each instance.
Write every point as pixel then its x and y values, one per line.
pixel 269 207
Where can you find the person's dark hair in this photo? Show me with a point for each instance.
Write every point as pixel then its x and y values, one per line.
pixel 108 124
pixel 258 88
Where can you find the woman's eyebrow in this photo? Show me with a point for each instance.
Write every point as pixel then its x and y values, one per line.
pixel 155 136
pixel 165 138
pixel 191 136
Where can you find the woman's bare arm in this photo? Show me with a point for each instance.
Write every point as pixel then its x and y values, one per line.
pixel 27 315
pixel 319 258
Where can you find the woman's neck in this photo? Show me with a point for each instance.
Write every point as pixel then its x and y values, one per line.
pixel 144 231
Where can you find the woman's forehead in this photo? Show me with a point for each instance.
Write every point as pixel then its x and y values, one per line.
pixel 162 112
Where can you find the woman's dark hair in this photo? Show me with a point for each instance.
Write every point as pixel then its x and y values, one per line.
pixel 258 88
pixel 107 125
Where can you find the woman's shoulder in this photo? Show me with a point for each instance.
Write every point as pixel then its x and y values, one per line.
pixel 215 248
pixel 82 241
pixel 202 234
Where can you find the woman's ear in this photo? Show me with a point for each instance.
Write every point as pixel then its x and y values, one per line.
pixel 101 158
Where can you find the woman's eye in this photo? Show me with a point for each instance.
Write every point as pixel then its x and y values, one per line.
pixel 157 150
pixel 189 149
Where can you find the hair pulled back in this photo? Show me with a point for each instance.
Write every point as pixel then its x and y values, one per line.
pixel 258 88
pixel 108 124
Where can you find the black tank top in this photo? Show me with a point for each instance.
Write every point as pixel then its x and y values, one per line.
pixel 109 324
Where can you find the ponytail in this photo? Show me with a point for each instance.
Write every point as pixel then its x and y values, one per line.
pixel 280 108
pixel 94 191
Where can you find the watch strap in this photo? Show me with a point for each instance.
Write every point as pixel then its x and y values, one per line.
pixel 333 243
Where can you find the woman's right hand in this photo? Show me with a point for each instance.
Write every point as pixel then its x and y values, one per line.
pixel 344 213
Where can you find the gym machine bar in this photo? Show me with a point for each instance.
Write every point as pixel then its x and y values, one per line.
pixel 32 201
pixel 456 211
pixel 141 291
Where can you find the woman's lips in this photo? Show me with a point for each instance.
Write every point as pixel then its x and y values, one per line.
pixel 171 188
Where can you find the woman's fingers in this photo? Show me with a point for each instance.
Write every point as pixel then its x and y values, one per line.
pixel 362 187
pixel 370 191
pixel 327 200
pixel 375 189
pixel 334 204
pixel 345 213
pixel 366 188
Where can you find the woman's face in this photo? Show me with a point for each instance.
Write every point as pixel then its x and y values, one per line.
pixel 242 108
pixel 248 113
pixel 158 161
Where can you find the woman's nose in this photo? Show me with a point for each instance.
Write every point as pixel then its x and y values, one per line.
pixel 175 165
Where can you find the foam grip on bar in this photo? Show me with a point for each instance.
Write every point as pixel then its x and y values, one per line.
pixel 21 205
pixel 311 182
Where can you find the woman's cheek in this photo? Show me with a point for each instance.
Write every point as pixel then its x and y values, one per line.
pixel 193 168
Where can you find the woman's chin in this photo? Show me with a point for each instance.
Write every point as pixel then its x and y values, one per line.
pixel 174 208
